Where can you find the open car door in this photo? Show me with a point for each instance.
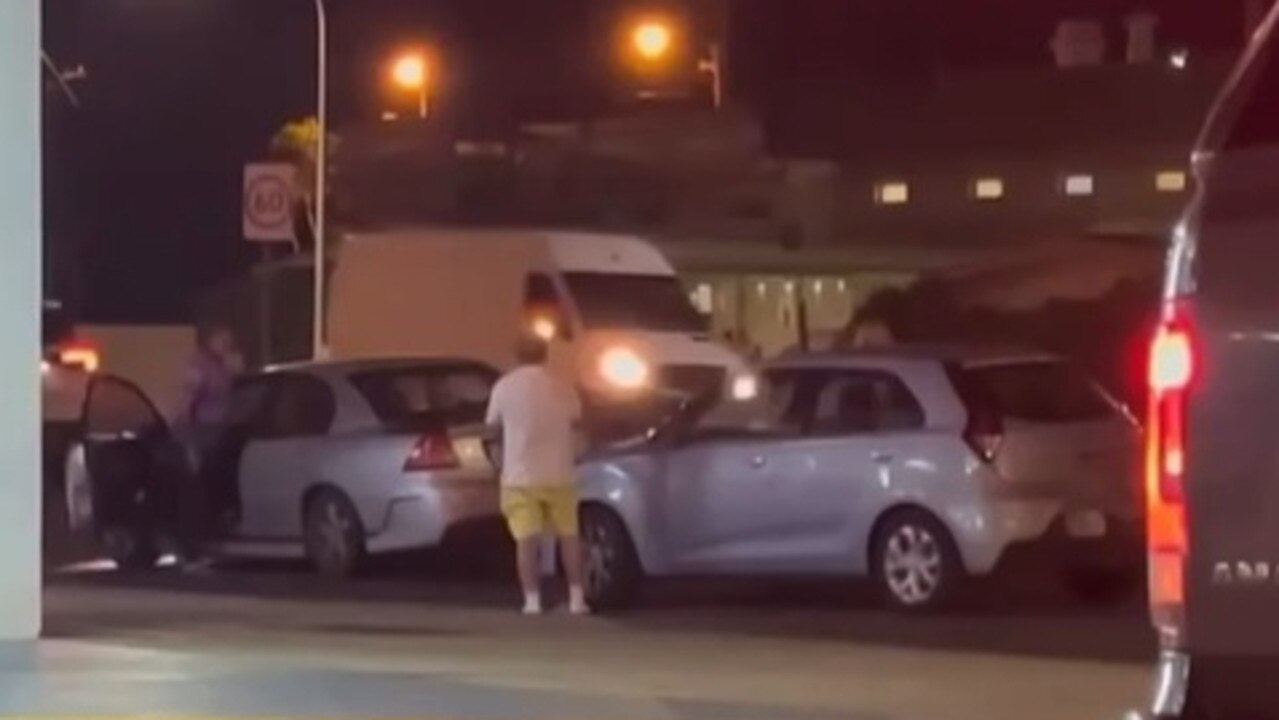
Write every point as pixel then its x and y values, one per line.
pixel 124 477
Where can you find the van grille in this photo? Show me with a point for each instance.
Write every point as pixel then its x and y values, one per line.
pixel 693 379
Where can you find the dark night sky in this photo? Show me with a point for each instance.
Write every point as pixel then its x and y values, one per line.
pixel 181 94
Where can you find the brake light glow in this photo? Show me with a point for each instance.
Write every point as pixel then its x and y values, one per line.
pixel 1172 361
pixel 1172 369
pixel 82 356
pixel 1171 375
pixel 985 435
pixel 432 452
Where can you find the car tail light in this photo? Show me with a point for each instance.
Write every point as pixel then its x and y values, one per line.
pixel 985 434
pixel 81 356
pixel 1171 373
pixel 432 452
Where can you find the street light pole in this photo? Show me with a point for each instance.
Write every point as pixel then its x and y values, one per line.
pixel 713 66
pixel 319 344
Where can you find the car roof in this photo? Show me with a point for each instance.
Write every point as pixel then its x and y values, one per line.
pixel 348 366
pixel 961 354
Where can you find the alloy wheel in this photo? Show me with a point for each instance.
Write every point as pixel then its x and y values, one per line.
pixel 913 564
pixel 600 550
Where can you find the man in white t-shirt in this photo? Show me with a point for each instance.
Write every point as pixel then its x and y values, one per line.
pixel 538 415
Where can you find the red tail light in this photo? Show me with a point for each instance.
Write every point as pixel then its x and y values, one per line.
pixel 432 452
pixel 80 355
pixel 1171 372
pixel 985 434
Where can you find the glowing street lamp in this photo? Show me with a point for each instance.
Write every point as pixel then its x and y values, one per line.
pixel 412 72
pixel 652 39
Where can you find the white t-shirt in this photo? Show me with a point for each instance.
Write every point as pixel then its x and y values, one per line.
pixel 537 414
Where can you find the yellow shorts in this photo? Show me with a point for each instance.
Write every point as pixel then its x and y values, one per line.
pixel 532 511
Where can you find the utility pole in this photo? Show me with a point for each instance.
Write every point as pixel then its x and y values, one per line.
pixel 318 340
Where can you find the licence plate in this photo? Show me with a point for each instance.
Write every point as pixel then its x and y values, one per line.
pixel 1086 524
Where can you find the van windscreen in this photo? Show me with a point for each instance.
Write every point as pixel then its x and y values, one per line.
pixel 633 302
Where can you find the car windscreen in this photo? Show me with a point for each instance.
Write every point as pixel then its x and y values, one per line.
pixel 1041 391
pixel 612 301
pixel 415 397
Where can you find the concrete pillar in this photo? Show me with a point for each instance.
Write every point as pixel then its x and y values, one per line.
pixel 20 242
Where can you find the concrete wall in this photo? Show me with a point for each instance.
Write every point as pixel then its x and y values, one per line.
pixel 19 319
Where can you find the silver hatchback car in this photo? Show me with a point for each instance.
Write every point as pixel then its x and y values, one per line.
pixel 916 468
pixel 329 462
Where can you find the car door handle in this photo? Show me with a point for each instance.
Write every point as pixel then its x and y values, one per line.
pixel 882 458
pixel 758 461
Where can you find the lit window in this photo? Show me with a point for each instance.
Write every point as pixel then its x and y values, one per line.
pixel 892 193
pixel 1171 181
pixel 703 298
pixel 1079 185
pixel 989 188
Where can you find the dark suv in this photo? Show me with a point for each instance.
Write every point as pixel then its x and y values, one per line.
pixel 1212 464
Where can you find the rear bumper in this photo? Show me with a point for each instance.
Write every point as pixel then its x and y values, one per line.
pixel 1190 687
pixel 1171 686
pixel 1121 548
pixel 422 520
pixel 1012 531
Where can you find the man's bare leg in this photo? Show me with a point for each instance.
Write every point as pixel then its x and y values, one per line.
pixel 571 553
pixel 529 569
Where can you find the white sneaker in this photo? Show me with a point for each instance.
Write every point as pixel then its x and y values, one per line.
pixel 577 602
pixel 532 606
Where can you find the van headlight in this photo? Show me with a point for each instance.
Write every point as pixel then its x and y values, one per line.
pixel 624 369
pixel 543 328
pixel 745 387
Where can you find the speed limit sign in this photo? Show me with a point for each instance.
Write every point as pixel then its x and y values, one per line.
pixel 268 202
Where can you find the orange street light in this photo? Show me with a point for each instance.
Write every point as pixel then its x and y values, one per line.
pixel 412 72
pixel 652 39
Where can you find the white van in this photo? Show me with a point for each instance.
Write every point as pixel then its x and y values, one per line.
pixel 622 324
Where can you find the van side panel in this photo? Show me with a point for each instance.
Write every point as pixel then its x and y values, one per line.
pixel 1232 481
pixel 431 294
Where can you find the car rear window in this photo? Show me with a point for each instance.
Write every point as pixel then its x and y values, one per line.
pixel 417 396
pixel 1035 391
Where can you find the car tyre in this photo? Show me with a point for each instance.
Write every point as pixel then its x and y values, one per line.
pixel 334 535
pixel 131 550
pixel 613 575
pixel 1102 586
pixel 915 562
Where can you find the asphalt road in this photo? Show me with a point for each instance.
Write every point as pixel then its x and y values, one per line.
pixel 1019 648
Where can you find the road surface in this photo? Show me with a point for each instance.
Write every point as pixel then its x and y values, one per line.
pixel 693 650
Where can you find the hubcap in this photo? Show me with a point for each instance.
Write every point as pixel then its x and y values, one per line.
pixel 601 556
pixel 913 564
pixel 332 533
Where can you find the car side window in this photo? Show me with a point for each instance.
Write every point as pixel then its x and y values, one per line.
pixel 299 407
pixel 792 395
pixel 855 402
